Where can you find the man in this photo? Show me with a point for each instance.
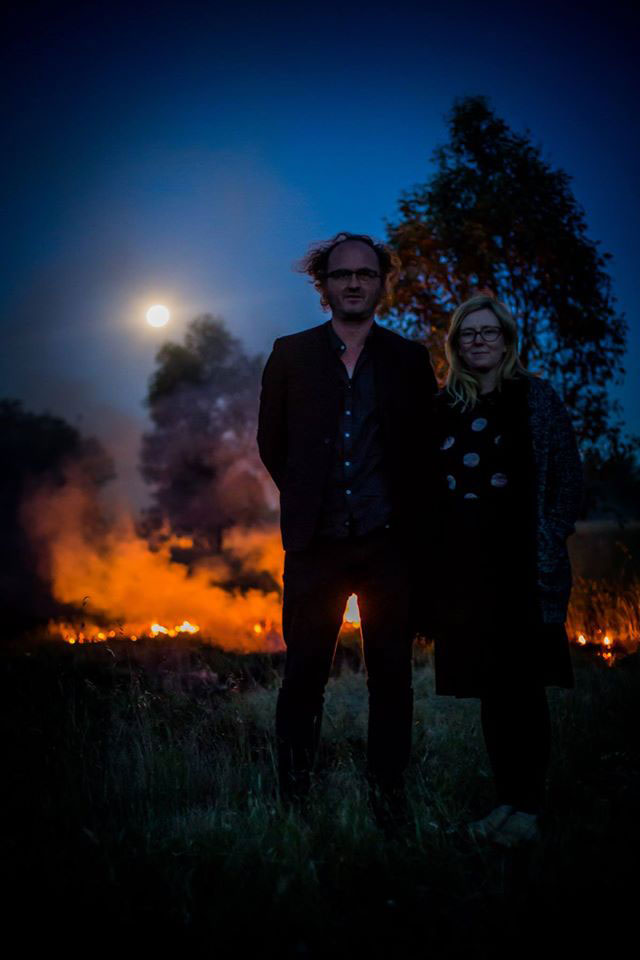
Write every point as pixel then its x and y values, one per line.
pixel 343 422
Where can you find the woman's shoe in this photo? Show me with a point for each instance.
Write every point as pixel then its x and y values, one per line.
pixel 519 829
pixel 483 830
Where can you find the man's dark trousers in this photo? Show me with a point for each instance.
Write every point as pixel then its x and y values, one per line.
pixel 317 583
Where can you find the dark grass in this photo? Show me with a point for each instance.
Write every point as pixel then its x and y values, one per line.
pixel 140 809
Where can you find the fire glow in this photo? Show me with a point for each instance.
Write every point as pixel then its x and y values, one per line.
pixel 124 588
pixel 184 627
pixel 352 612
pixel 604 617
pixel 604 647
pixel 121 587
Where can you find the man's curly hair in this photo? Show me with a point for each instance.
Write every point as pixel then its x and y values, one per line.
pixel 315 264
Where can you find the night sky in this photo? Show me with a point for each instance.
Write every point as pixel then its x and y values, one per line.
pixel 188 153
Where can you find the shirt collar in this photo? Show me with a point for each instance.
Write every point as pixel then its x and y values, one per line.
pixel 336 343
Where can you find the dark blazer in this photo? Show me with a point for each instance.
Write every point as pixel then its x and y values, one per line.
pixel 299 410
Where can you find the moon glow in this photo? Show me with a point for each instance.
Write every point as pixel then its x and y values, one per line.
pixel 158 315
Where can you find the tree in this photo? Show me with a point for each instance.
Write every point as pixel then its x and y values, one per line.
pixel 39 452
pixel 201 456
pixel 496 216
pixel 612 486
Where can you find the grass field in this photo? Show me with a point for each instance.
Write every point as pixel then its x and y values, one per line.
pixel 141 809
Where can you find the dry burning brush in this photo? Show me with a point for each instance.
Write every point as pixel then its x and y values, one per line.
pixel 98 565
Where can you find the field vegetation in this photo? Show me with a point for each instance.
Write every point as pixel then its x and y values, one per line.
pixel 141 808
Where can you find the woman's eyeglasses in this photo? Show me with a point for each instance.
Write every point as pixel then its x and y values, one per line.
pixel 488 334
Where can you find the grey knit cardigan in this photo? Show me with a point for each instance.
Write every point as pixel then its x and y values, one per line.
pixel 558 493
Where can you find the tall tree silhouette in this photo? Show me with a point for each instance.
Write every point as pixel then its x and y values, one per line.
pixel 200 456
pixel 39 452
pixel 496 216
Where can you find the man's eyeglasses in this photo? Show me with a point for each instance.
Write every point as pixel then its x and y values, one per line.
pixel 488 334
pixel 364 275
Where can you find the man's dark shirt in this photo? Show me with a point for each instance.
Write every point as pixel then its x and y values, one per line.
pixel 356 498
pixel 300 406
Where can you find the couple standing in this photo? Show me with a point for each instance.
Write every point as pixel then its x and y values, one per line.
pixel 447 511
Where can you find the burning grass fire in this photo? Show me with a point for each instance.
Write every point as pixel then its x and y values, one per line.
pixel 266 634
pixel 92 634
pixel 605 617
pixel 592 603
pixel 352 612
pixel 123 588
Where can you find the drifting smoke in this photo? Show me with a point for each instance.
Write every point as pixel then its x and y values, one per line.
pixel 122 586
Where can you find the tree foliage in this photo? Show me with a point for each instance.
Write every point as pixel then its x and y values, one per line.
pixel 200 457
pixel 496 216
pixel 612 486
pixel 38 452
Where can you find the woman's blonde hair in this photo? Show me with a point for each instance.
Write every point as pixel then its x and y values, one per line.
pixel 462 386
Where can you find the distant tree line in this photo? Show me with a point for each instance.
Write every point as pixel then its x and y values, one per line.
pixel 37 451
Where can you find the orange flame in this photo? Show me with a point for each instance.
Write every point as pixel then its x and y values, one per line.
pixel 352 611
pixel 126 589
pixel 115 578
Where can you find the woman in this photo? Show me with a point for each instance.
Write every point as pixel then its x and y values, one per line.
pixel 509 483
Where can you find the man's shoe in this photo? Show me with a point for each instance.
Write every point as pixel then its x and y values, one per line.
pixel 518 830
pixel 484 830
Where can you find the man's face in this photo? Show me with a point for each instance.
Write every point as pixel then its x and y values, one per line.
pixel 353 296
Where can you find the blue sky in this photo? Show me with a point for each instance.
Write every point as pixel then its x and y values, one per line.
pixel 188 153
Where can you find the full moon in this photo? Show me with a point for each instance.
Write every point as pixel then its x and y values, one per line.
pixel 158 315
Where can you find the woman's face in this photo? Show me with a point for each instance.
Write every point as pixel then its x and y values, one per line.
pixel 481 353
